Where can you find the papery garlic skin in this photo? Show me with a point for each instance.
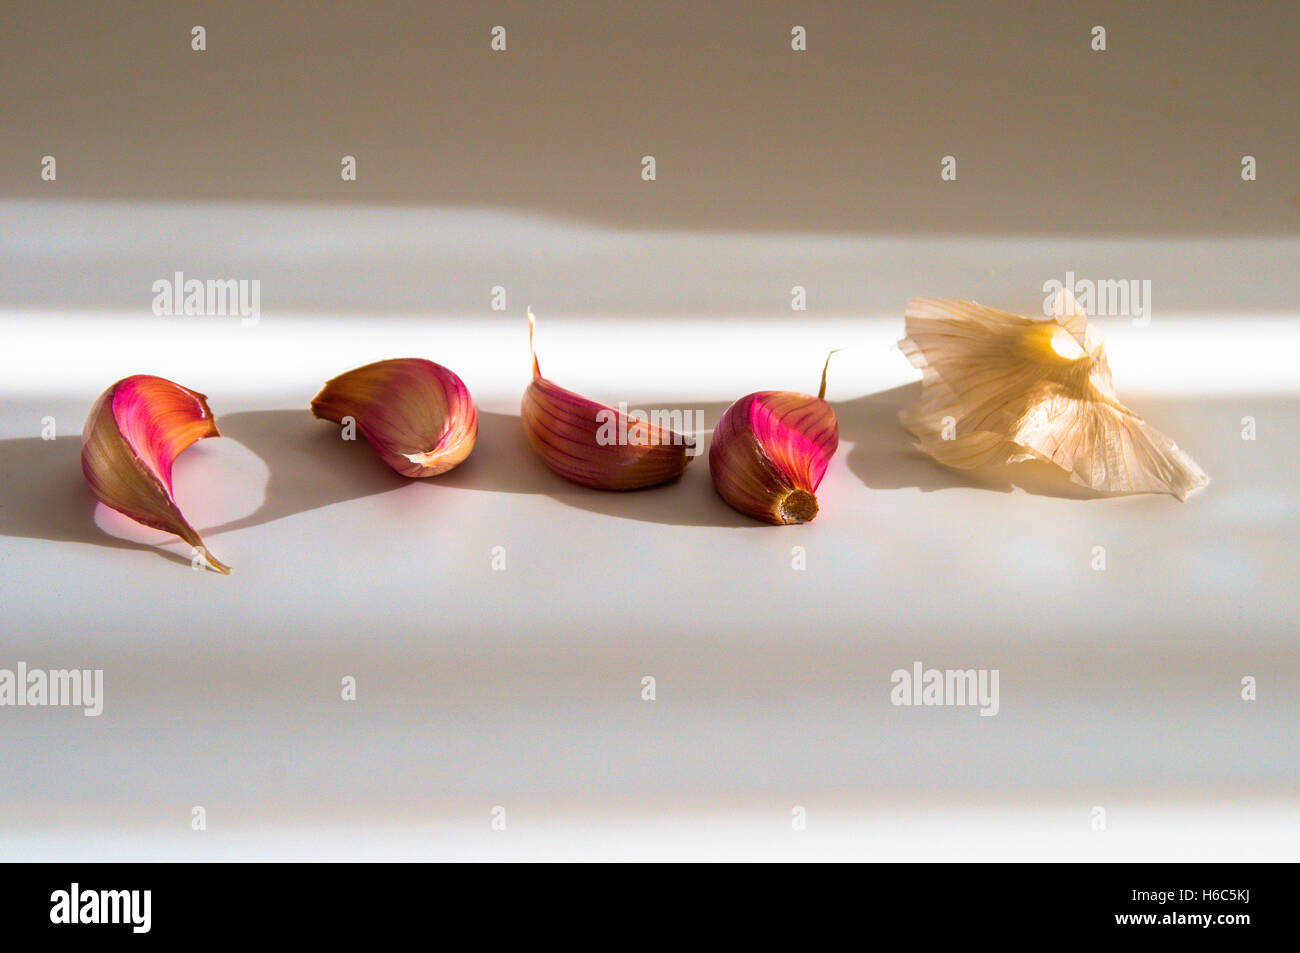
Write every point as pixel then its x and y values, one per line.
pixel 567 430
pixel 135 431
pixel 418 415
pixel 995 390
pixel 770 451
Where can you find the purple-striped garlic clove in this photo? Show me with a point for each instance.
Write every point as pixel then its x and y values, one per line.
pixel 135 431
pixel 770 451
pixel 595 445
pixel 418 415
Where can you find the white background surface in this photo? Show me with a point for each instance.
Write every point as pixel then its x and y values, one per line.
pixel 521 688
pixel 1119 689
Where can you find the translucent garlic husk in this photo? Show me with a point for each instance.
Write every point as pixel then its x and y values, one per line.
pixel 999 388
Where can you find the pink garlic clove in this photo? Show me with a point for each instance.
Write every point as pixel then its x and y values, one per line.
pixel 418 415
pixel 135 431
pixel 572 435
pixel 770 451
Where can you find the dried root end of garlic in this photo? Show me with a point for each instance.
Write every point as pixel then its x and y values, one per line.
pixel 998 388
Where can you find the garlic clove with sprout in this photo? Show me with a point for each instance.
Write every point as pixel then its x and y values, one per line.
pixel 595 445
pixel 999 388
pixel 135 431
pixel 770 451
pixel 418 415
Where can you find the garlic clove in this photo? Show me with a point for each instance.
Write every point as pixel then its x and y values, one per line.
pixel 595 445
pixel 418 415
pixel 135 431
pixel 999 388
pixel 770 452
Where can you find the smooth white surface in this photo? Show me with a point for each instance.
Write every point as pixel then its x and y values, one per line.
pixel 522 688
pixel 1174 833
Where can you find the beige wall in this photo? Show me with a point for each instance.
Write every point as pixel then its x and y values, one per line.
pixel 1050 137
